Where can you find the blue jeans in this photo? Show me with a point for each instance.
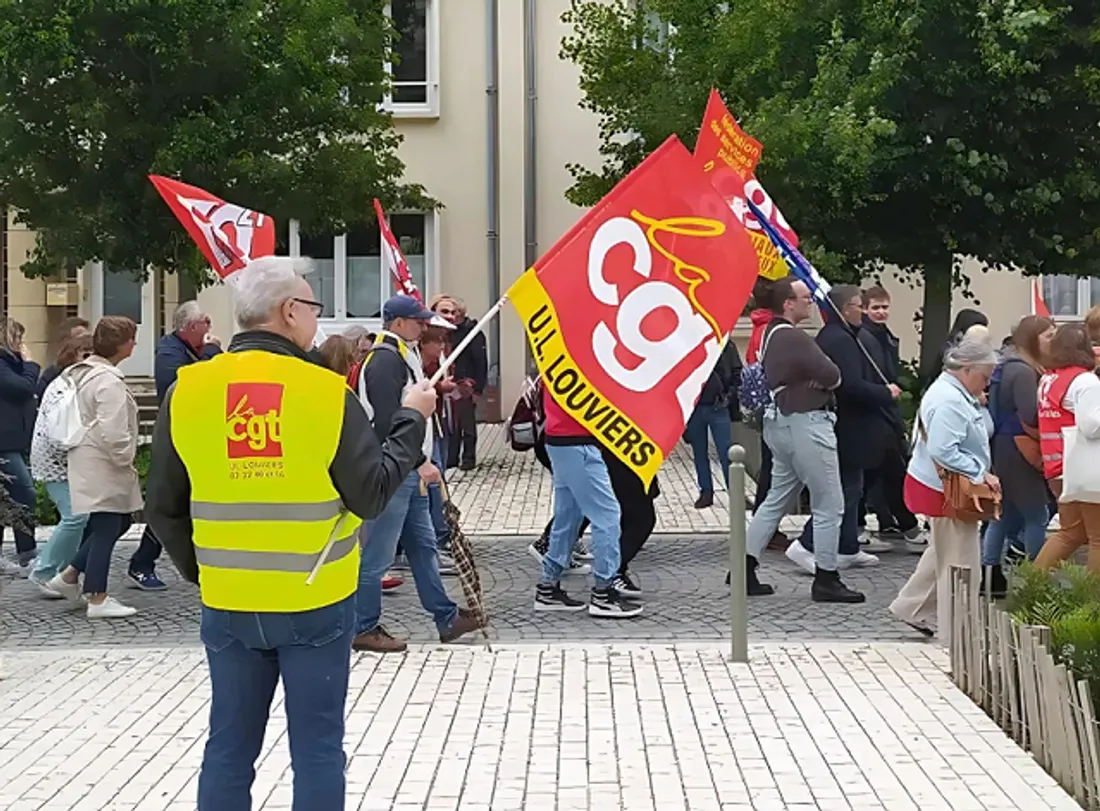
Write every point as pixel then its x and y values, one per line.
pixel 406 518
pixel 248 653
pixel 803 453
pixel 1030 524
pixel 61 548
pixel 716 420
pixel 582 487
pixel 435 499
pixel 93 559
pixel 21 486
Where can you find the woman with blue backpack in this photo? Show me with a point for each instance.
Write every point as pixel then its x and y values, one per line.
pixel 1017 460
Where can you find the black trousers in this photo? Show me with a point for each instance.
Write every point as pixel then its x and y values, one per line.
pixel 463 445
pixel 145 558
pixel 638 515
pixel 764 480
pixel 887 482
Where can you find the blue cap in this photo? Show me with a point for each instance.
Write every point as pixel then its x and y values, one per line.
pixel 405 307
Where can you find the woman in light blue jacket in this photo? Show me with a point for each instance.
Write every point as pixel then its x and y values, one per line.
pixel 951 434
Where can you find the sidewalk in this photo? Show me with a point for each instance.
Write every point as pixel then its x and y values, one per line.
pixel 542 728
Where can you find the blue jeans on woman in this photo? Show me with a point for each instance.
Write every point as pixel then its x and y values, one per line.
pixel 582 488
pixel 63 544
pixel 716 420
pixel 20 485
pixel 1029 524
pixel 310 651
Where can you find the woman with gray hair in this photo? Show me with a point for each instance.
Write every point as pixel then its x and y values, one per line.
pixel 950 435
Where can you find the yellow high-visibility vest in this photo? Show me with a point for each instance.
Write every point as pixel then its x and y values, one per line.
pixel 257 433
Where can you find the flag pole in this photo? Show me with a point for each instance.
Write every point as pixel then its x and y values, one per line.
pixel 485 320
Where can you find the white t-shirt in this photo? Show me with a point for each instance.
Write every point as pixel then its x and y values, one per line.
pixel 1083 399
pixel 1081 384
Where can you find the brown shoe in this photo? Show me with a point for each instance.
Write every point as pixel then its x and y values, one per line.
pixel 378 641
pixel 779 542
pixel 464 623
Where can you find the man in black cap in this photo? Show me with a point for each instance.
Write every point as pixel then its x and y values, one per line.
pixel 392 366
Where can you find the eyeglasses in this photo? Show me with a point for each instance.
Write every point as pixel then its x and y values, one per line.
pixel 316 305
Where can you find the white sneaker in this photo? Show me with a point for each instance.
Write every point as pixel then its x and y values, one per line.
pixel 856 561
pixel 1055 523
pixel 44 587
pixel 70 591
pixel 801 556
pixel 10 568
pixel 109 609
pixel 869 542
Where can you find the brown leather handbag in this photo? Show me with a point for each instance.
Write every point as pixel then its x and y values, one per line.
pixel 963 500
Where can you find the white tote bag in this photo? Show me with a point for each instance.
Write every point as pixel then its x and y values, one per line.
pixel 1081 467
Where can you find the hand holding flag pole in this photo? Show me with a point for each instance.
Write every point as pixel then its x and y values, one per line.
pixel 808 275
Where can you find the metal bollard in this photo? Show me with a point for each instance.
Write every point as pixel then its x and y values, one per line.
pixel 739 609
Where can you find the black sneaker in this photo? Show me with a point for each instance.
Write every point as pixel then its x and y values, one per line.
pixel 551 597
pixel 828 588
pixel 607 603
pixel 1015 554
pixel 753 586
pixel 626 587
pixel 705 500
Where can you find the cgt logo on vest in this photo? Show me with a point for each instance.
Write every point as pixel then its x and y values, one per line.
pixel 254 420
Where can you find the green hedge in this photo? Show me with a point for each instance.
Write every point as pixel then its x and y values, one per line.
pixel 1068 602
pixel 46 514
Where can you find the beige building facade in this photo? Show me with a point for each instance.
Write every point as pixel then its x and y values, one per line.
pixel 492 147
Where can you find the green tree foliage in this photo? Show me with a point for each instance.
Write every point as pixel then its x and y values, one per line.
pixel 271 104
pixel 902 132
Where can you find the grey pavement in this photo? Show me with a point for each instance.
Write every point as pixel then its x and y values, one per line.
pixel 686 600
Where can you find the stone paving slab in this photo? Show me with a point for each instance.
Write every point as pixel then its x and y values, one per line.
pixel 686 599
pixel 539 728
pixel 510 493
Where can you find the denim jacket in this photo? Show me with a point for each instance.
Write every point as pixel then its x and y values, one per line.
pixel 957 434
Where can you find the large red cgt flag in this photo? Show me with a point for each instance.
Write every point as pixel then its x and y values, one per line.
pixel 729 156
pixel 627 313
pixel 228 235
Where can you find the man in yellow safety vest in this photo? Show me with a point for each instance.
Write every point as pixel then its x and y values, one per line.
pixel 264 466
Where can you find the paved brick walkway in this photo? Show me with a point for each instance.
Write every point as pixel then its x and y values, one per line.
pixel 651 728
pixel 682 577
pixel 510 493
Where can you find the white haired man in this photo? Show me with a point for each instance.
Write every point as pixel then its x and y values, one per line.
pixel 264 467
pixel 190 341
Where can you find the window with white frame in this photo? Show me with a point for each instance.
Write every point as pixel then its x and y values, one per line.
pixel 348 277
pixel 1070 296
pixel 414 72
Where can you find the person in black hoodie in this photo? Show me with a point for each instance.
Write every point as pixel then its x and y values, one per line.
pixel 883 486
pixel 715 411
pixel 18 409
pixel 864 426
pixel 471 372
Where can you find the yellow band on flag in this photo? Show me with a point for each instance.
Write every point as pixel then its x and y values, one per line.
pixel 570 388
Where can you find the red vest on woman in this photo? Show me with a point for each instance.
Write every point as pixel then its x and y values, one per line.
pixel 1053 416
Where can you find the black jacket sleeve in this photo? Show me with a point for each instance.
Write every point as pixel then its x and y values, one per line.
pixel 845 352
pixel 19 382
pixel 386 375
pixel 171 357
pixel 480 357
pixel 168 496
pixel 367 472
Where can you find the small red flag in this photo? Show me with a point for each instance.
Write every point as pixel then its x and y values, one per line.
pixel 228 235
pixel 393 259
pixel 1038 306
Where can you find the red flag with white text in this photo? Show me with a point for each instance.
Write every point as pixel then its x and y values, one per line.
pixel 393 259
pixel 1038 306
pixel 228 235
pixel 628 312
pixel 729 156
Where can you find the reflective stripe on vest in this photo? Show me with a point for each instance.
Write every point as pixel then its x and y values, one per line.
pixel 259 511
pixel 257 432
pixel 273 561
